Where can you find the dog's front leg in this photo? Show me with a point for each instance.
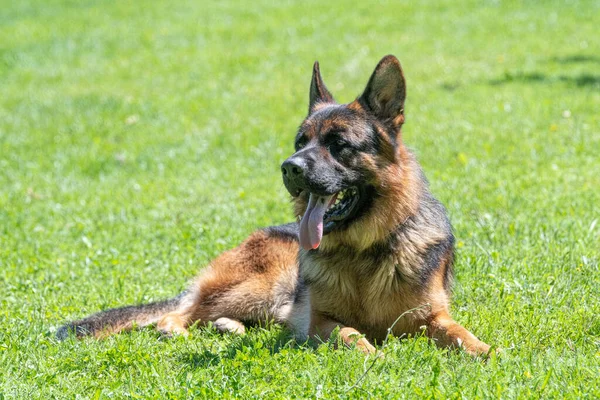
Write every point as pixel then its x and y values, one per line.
pixel 448 333
pixel 321 327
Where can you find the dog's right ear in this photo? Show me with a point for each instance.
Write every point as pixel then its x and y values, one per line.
pixel 318 90
pixel 386 91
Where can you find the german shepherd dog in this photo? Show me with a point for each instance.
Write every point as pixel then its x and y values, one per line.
pixel 372 244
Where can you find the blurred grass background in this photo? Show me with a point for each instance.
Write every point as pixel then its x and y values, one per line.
pixel 140 139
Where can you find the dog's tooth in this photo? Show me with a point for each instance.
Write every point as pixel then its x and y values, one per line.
pixel 340 208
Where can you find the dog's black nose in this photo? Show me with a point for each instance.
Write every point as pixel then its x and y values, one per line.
pixel 293 168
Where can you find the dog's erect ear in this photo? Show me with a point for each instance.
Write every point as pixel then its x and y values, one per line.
pixel 386 91
pixel 318 90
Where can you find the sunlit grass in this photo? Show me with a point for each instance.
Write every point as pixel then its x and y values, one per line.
pixel 140 139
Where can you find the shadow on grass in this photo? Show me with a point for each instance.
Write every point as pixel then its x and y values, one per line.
pixel 209 357
pixel 581 80
pixel 576 58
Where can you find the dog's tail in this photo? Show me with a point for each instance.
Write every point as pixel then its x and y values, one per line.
pixel 120 319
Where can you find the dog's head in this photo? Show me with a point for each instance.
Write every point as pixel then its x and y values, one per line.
pixel 348 157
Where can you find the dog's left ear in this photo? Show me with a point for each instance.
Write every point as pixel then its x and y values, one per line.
pixel 386 91
pixel 318 90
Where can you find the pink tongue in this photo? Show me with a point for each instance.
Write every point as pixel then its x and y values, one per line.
pixel 311 226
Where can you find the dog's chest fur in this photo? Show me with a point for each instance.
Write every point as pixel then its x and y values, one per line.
pixel 367 292
pixel 370 289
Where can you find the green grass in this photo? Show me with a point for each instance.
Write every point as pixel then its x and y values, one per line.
pixel 140 139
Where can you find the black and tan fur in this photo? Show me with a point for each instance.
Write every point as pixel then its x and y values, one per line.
pixel 391 254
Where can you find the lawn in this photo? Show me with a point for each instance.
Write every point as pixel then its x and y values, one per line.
pixel 138 140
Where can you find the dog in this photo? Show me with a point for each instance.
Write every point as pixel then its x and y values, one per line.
pixel 370 255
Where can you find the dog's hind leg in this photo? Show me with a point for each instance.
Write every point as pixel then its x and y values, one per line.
pixel 204 303
pixel 173 323
pixel 446 332
pixel 228 325
pixel 177 321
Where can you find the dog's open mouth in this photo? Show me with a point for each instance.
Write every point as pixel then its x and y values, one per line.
pixel 324 213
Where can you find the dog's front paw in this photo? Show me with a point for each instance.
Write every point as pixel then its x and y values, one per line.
pixel 360 343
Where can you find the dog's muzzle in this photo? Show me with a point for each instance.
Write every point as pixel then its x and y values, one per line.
pixel 293 172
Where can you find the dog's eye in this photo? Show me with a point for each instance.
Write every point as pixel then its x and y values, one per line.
pixel 301 142
pixel 336 146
